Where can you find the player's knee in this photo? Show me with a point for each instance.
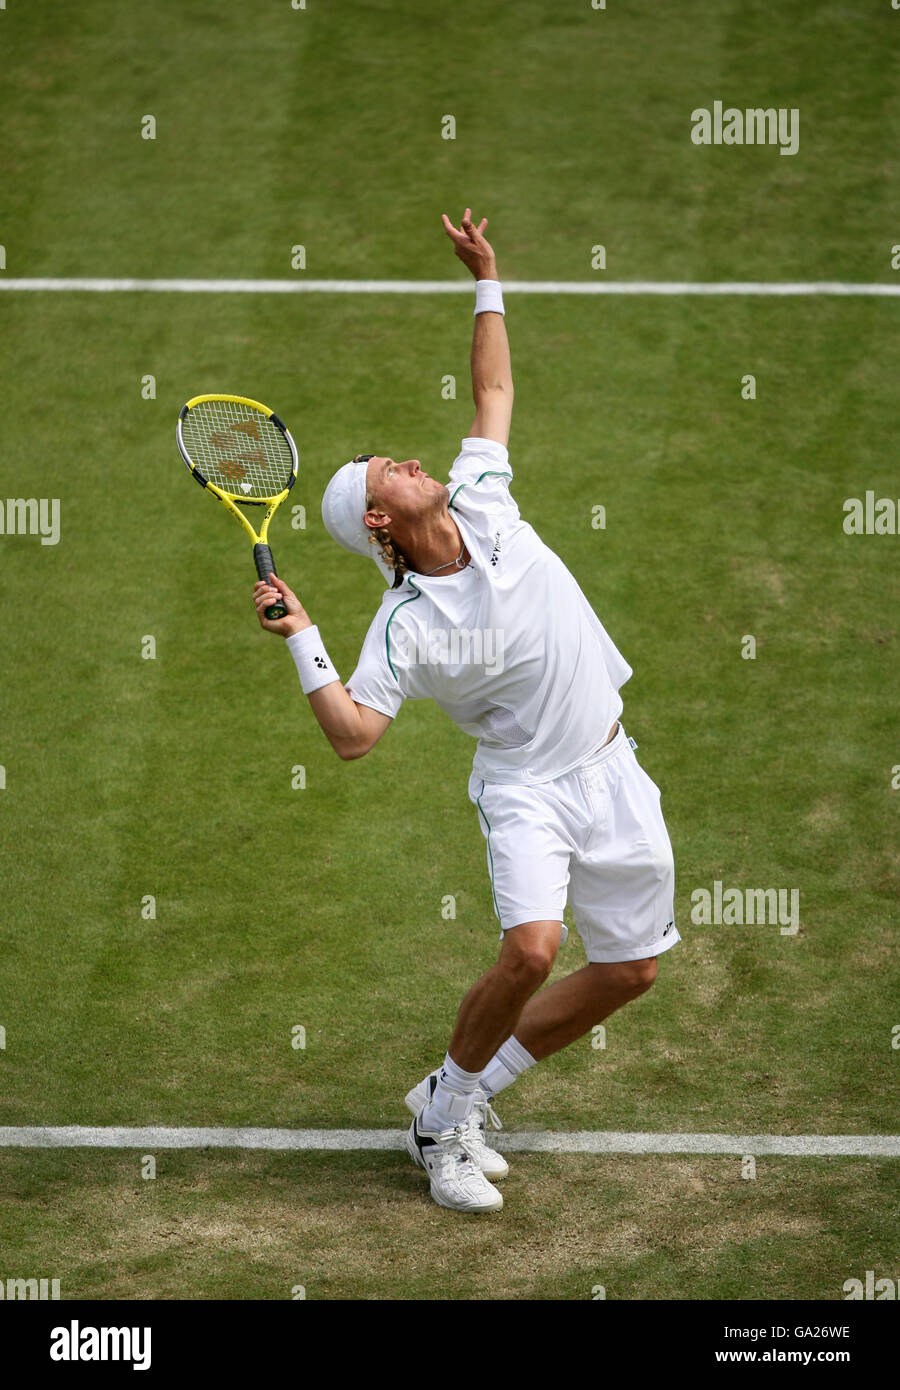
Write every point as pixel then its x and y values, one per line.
pixel 638 975
pixel 534 967
pixel 528 963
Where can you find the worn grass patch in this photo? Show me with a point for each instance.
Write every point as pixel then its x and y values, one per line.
pixel 362 1226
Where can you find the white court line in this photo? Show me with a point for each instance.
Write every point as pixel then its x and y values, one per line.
pixel 301 286
pixel 581 1141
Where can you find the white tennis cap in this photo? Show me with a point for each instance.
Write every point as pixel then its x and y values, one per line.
pixel 343 508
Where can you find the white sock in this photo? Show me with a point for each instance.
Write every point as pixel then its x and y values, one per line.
pixel 508 1062
pixel 454 1096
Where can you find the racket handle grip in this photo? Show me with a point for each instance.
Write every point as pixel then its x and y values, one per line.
pixel 265 566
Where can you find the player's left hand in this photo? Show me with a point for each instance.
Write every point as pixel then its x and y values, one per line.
pixel 470 245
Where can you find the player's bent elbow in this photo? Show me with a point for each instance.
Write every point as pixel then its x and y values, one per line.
pixel 372 724
pixel 353 747
pixel 347 750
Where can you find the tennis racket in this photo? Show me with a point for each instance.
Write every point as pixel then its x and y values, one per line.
pixel 243 454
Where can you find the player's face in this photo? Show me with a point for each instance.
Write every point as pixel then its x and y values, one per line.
pixel 402 491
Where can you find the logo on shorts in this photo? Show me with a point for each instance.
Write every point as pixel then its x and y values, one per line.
pixel 669 926
pixel 495 553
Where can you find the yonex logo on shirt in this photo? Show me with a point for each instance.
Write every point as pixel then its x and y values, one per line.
pixel 495 553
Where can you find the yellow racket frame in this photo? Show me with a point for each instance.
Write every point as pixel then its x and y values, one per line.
pixel 235 502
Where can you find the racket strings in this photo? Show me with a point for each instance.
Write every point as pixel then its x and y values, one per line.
pixel 238 448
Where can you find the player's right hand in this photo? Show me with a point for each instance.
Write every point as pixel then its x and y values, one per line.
pixel 265 594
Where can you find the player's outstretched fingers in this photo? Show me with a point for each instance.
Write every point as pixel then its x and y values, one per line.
pixel 466 226
pixel 456 234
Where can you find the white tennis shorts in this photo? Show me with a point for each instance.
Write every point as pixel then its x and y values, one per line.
pixel 595 835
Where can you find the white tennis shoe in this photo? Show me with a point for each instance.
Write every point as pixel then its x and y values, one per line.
pixel 456 1180
pixel 493 1165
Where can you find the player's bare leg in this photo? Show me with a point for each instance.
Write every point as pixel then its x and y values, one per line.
pixel 549 1021
pixel 572 1007
pixel 504 1008
pixel 490 1010
pixel 450 1108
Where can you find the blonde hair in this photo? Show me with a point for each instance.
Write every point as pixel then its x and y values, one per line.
pixel 391 554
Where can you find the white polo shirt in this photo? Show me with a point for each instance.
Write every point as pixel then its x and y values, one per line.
pixel 509 647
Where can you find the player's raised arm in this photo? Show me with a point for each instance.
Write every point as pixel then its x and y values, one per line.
pixel 492 385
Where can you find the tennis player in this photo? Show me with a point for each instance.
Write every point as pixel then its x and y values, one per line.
pixel 484 619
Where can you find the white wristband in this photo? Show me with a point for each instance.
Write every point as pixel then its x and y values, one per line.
pixel 488 297
pixel 314 665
